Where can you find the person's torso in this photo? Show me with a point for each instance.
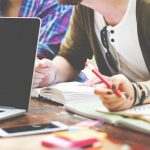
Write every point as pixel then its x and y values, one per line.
pixel 124 43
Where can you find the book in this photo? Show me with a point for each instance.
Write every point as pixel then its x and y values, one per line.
pixel 66 92
pixel 89 110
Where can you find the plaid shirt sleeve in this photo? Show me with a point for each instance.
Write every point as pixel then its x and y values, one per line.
pixel 55 21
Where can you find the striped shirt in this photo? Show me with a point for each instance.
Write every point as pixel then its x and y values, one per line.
pixel 55 21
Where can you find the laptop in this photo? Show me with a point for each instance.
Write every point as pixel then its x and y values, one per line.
pixel 18 44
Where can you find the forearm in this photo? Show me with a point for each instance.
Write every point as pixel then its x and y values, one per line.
pixel 64 70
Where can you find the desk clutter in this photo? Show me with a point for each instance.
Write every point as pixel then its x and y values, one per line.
pixel 80 135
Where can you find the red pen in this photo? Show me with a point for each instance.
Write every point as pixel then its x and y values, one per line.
pixel 101 77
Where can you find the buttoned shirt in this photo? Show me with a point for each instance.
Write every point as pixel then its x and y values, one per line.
pixel 55 21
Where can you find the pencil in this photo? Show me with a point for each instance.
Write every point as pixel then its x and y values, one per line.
pixel 102 78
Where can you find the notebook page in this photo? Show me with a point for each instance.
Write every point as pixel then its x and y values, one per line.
pixel 135 111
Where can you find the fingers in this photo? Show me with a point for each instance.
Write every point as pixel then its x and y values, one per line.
pixel 35 85
pixel 45 63
pixel 117 81
pixel 115 106
pixel 38 75
pixel 42 70
pixel 121 83
pixel 107 95
pixel 42 63
pixel 111 101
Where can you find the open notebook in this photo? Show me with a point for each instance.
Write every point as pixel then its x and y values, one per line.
pixel 93 110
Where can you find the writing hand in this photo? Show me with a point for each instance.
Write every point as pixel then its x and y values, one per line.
pixel 110 100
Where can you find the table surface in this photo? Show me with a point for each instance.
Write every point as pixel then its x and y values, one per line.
pixel 43 112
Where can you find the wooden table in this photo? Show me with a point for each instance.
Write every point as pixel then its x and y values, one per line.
pixel 42 112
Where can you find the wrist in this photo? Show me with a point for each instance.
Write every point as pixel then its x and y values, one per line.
pixel 141 92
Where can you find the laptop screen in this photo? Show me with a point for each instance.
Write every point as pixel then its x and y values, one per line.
pixel 18 43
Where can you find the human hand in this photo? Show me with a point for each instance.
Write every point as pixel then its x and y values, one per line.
pixel 44 73
pixel 110 100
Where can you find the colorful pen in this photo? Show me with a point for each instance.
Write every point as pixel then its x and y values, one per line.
pixel 101 77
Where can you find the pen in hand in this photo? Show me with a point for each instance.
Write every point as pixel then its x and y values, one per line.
pixel 101 77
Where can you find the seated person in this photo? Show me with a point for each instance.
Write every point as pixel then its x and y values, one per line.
pixel 55 20
pixel 117 33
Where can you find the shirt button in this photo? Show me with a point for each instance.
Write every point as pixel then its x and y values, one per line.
pixel 112 40
pixel 112 31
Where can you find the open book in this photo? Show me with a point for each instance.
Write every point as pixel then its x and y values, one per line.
pixel 67 92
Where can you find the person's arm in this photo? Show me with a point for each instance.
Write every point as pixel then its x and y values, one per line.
pixel 74 51
pixel 64 70
pixel 76 47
